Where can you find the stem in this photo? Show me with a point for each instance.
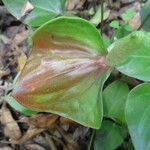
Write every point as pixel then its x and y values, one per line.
pixel 91 139
pixel 144 21
pixel 102 14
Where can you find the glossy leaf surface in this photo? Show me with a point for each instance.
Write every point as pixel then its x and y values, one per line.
pixel 138 116
pixel 64 72
pixel 109 136
pixel 114 99
pixel 131 55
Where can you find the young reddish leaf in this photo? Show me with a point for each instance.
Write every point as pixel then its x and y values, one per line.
pixel 63 73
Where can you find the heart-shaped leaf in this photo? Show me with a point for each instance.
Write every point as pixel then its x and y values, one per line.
pixel 65 71
pixel 138 116
pixel 131 54
pixel 114 99
pixel 109 136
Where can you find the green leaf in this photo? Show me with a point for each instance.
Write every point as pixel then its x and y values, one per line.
pixel 114 99
pixel 128 27
pixel 137 64
pixel 114 24
pixel 130 145
pixel 41 13
pixel 121 49
pixel 145 16
pixel 15 7
pixel 131 55
pixel 65 72
pixel 26 111
pixel 109 137
pixel 120 33
pixel 138 116
pixel 44 11
pixel 129 14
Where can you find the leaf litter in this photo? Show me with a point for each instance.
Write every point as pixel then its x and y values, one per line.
pixel 24 135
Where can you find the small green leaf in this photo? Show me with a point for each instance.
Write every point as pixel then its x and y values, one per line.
pixel 129 14
pixel 128 27
pixel 120 33
pixel 114 99
pixel 138 116
pixel 145 16
pixel 114 24
pixel 109 137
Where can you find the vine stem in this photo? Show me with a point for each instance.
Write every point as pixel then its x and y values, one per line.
pixel 102 14
pixel 144 21
pixel 91 139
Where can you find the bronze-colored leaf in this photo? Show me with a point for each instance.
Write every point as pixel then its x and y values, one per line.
pixel 64 72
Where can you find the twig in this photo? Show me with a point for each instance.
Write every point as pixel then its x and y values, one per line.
pixel 91 140
pixel 102 14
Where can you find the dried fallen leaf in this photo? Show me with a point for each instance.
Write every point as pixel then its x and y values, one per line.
pixel 135 22
pixel 4 73
pixel 22 58
pixel 67 121
pixel 67 137
pixel 96 19
pixel 50 142
pixel 80 133
pixel 70 5
pixel 70 143
pixel 31 132
pixel 11 128
pixel 27 8
pixel 6 148
pixel 34 147
pixel 20 37
pixel 40 120
pixel 74 4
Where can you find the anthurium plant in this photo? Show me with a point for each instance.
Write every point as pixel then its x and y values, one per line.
pixel 65 74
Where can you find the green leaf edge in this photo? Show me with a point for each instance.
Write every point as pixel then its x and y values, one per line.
pixel 17 106
pixel 133 90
